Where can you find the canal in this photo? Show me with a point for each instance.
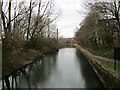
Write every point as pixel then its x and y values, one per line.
pixel 67 68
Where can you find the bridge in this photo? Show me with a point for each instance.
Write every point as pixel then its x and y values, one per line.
pixel 69 42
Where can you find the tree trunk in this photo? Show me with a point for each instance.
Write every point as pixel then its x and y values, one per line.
pixel 9 17
pixel 28 31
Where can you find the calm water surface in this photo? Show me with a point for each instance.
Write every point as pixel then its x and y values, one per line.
pixel 66 69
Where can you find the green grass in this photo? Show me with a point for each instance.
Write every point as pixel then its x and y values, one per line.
pixel 110 65
pixel 105 52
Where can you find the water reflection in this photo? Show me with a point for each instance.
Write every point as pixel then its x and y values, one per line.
pixel 66 69
pixel 91 79
pixel 39 74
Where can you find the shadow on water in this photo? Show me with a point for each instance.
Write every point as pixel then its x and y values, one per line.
pixel 88 73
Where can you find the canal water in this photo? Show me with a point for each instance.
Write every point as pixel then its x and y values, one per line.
pixel 67 68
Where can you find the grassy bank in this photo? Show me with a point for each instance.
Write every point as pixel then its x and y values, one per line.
pixel 109 65
pixel 105 52
pixel 22 59
pixel 108 54
pixel 103 69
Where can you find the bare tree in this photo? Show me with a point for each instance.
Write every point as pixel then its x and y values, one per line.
pixel 21 22
pixel 45 12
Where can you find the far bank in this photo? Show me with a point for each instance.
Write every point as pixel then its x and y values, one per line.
pixel 27 55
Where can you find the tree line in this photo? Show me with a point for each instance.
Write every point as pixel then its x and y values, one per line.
pixel 27 25
pixel 101 26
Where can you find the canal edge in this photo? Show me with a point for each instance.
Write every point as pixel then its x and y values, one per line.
pixel 15 72
pixel 110 80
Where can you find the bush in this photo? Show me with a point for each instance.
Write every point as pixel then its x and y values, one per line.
pixel 39 43
pixel 11 45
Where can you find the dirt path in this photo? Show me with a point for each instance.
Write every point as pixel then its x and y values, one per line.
pixel 96 56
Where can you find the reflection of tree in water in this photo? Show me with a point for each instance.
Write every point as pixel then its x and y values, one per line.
pixel 23 78
pixel 26 75
pixel 90 77
pixel 42 71
pixel 34 74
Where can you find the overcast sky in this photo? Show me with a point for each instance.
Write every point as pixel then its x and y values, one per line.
pixel 69 17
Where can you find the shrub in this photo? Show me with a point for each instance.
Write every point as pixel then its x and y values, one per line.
pixel 39 43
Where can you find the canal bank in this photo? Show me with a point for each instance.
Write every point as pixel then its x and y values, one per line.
pixel 22 60
pixel 67 68
pixel 109 78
